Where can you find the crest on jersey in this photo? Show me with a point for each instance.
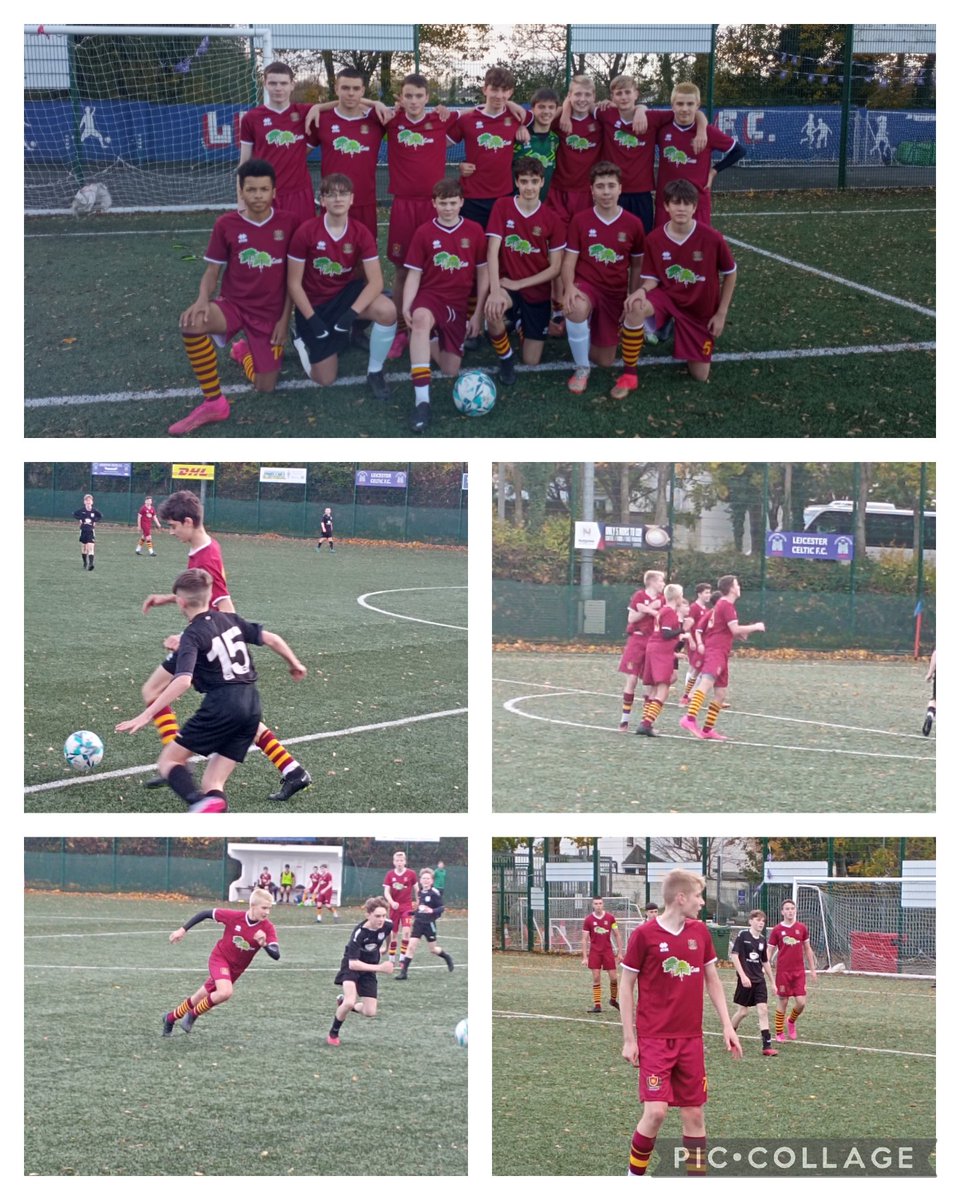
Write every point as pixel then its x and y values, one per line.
pixel 621 237
pixel 364 128
pixel 347 248
pixel 537 231
pixel 294 116
pixel 691 943
pixel 698 256
pixel 465 243
pixel 278 235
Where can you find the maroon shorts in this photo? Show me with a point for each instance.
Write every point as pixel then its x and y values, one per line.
pixel 606 313
pixel 692 341
pixel 659 669
pixel 716 663
pixel 366 214
pixel 672 1071
pixel 449 325
pixel 568 204
pixel 695 659
pixel 267 358
pixel 325 897
pixel 221 969
pixel 402 918
pixel 300 204
pixel 407 214
pixel 634 652
pixel 602 959
pixel 794 984
pixel 146 531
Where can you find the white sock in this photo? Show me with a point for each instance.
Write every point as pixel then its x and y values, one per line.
pixel 381 339
pixel 301 349
pixel 578 335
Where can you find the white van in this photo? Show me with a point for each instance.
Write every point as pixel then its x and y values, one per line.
pixel 889 529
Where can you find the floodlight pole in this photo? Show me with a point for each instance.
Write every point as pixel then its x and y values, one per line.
pixel 586 567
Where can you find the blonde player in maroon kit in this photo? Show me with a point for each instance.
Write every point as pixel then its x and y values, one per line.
pixel 659 663
pixel 602 950
pixel 244 935
pixel 668 964
pixel 790 943
pixel 402 893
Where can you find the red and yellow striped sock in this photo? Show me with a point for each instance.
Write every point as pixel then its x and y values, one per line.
pixel 281 758
pixel 793 1016
pixel 420 374
pixel 404 943
pixel 696 1148
pixel 614 989
pixel 778 1021
pixel 631 347
pixel 501 344
pixel 641 1149
pixel 393 946
pixel 652 709
pixel 247 364
pixel 167 725
pixel 712 713
pixel 627 705
pixel 182 1009
pixel 597 994
pixel 696 702
pixel 203 359
pixel 204 1006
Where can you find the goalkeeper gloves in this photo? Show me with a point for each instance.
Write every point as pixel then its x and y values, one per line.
pixel 317 327
pixel 345 321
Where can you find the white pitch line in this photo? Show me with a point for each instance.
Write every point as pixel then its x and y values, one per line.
pixel 860 287
pixel 522 1016
pixel 446 587
pixel 296 385
pixel 917 737
pixel 291 741
pixel 880 993
pixel 509 706
pixel 194 968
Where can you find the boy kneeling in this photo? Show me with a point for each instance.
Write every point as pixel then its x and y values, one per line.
pixel 683 264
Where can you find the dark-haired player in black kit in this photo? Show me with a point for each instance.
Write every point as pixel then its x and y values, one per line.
pixel 88 516
pixel 360 966
pixel 429 911
pixel 326 529
pixel 213 657
pixel 749 956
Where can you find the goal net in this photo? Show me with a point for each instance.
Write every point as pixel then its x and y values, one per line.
pixel 152 113
pixel 567 914
pixel 871 926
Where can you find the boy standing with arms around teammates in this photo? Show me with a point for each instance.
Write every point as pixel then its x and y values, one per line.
pixel 274 132
pixel 678 158
pixel 244 934
pixel 542 146
pixel 684 263
pixel 790 941
pixel 250 248
pixel 334 278
pixel 525 242
pixel 749 957
pixel 668 963
pixel 601 266
pixel 213 657
pixel 447 257
pixel 579 150
pixel 602 950
pixel 659 660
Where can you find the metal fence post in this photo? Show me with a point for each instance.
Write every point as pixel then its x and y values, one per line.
pixel 845 107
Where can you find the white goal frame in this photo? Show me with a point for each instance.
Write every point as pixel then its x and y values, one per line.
pixel 912 896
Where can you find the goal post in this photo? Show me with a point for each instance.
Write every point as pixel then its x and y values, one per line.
pixel 151 112
pixel 871 926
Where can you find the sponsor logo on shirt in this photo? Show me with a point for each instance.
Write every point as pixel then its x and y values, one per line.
pixel 258 259
pixel 678 157
pixel 408 137
pixel 448 262
pixel 490 141
pixel 241 943
pixel 518 244
pixel 684 275
pixel 282 137
pixel 345 145
pixel 576 142
pixel 628 140
pixel 326 266
pixel 679 968
pixel 604 254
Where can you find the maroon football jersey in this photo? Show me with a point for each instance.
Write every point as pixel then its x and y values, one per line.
pixel 417 153
pixel 661 650
pixel 400 885
pixel 670 978
pixel 689 270
pixel 633 153
pixel 278 138
pixel 449 258
pixel 255 257
pixel 329 260
pixel 236 944
pixel 599 929
pixel 717 633
pixel 605 248
pixel 788 941
pixel 350 146
pixel 645 626
pixel 526 241
pixel 210 559
pixel 678 161
pixel 577 151
pixel 488 142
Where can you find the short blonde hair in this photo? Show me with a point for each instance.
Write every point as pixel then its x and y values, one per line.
pixel 685 89
pixel 623 81
pixel 650 576
pixel 260 895
pixel 681 881
pixel 673 591
pixel 583 81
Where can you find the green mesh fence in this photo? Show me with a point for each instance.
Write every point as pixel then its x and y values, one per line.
pixel 431 506
pixel 109 872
